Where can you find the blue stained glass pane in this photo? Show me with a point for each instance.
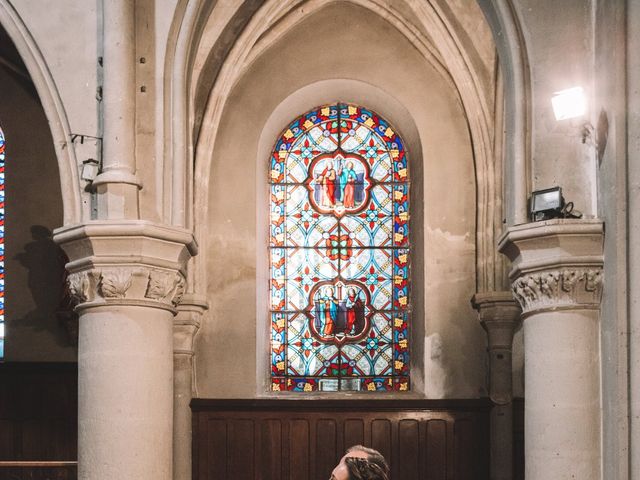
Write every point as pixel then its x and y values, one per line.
pixel 368 265
pixel 308 266
pixel 374 354
pixel 297 297
pixel 364 233
pixel 305 354
pixel 304 226
pixel 339 238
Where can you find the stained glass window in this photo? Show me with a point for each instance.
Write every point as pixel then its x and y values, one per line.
pixel 1 245
pixel 339 254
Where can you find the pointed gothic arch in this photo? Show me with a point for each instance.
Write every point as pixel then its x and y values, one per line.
pixel 53 108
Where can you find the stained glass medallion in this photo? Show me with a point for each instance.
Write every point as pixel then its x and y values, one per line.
pixel 339 254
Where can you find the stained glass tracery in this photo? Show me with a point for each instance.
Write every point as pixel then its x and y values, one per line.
pixel 339 254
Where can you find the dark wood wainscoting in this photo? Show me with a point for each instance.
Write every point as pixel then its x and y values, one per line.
pixel 38 420
pixel 303 440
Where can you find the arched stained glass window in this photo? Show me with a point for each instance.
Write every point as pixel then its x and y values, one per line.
pixel 339 254
pixel 1 245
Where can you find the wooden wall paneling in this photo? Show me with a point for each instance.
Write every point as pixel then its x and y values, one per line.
pixel 299 450
pixel 353 432
pixel 241 449
pixel 464 449
pixel 381 437
pixel 214 461
pixel 326 450
pixel 436 449
pixel 303 440
pixel 7 442
pixel 38 414
pixel 408 461
pixel 271 450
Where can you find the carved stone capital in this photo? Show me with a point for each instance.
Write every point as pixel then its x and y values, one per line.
pixel 187 323
pixel 552 289
pixel 126 263
pixel 499 315
pixel 557 264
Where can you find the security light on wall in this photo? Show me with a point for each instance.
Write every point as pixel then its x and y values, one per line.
pixel 549 203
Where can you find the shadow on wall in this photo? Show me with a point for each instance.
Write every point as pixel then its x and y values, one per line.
pixel 53 312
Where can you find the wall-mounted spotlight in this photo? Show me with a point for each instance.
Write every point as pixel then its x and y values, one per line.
pixel 569 103
pixel 572 104
pixel 90 168
pixel 549 203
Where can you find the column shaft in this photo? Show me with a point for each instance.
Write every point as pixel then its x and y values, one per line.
pixel 119 86
pixel 562 388
pixel 117 185
pixel 186 325
pixel 499 315
pixel 183 386
pixel 125 393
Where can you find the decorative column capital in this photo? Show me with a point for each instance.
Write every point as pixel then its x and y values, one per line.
pixel 187 322
pixel 499 315
pixel 126 263
pixel 556 263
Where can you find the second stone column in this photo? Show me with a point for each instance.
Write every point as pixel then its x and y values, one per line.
pixel 556 277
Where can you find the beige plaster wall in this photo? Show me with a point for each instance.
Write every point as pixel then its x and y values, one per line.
pixel 559 44
pixel 33 210
pixel 230 357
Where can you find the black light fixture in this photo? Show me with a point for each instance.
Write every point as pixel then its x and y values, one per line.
pixel 549 203
pixel 546 204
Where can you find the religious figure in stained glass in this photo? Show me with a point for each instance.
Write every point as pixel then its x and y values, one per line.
pixel 327 312
pixel 339 247
pixel 338 312
pixel 355 312
pixel 339 184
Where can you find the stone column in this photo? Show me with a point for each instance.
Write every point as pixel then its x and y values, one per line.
pixel 557 279
pixel 127 278
pixel 499 315
pixel 117 185
pixel 186 325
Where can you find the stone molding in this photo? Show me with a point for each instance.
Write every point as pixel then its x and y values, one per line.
pixel 556 263
pixel 187 323
pixel 566 288
pixel 499 315
pixel 126 285
pixel 126 263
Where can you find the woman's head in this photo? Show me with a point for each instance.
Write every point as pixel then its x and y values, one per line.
pixel 361 463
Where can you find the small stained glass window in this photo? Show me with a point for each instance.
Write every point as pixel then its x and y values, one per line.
pixel 1 245
pixel 339 254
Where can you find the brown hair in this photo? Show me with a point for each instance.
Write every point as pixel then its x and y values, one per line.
pixel 374 467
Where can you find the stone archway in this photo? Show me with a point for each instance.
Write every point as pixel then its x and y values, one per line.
pixel 53 107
